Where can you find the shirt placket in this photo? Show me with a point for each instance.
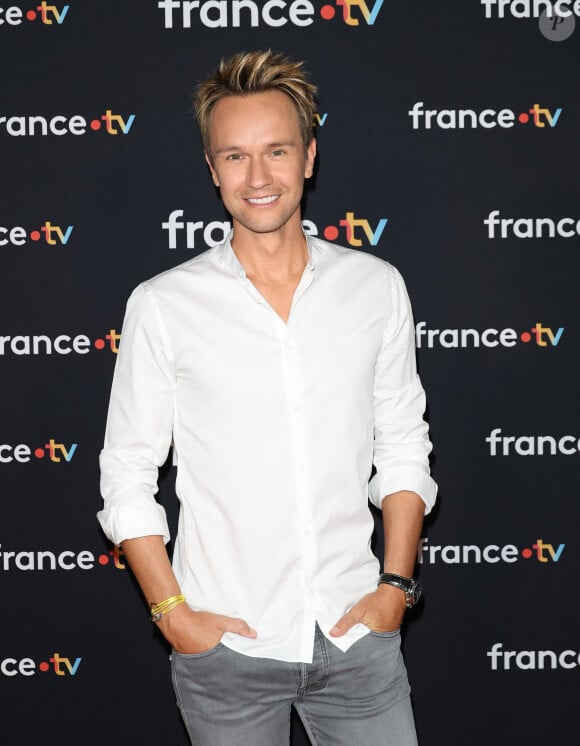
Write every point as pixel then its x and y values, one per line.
pixel 294 389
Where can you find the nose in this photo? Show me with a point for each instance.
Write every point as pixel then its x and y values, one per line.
pixel 258 173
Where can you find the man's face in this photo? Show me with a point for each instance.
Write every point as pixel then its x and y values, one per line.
pixel 258 160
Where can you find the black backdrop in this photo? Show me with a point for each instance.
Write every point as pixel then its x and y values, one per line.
pixel 493 652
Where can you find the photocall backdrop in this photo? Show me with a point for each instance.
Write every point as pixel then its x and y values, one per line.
pixel 448 140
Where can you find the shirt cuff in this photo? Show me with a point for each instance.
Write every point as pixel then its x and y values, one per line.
pixel 131 520
pixel 399 478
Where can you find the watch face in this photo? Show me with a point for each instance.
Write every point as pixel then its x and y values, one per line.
pixel 415 593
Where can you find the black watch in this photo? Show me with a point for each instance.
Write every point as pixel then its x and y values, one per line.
pixel 412 588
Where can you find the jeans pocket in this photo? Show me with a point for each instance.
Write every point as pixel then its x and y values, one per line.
pixel 197 656
pixel 392 633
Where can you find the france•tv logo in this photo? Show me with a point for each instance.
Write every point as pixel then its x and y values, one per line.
pixel 22 453
pixel 539 335
pixel 466 554
pixel 273 13
pixel 531 8
pixel 47 233
pixel 451 119
pixel 62 344
pixel 532 660
pixel 369 15
pixel 56 664
pixel 42 560
pixel 33 125
pixel 531 445
pixel 356 230
pixel 48 15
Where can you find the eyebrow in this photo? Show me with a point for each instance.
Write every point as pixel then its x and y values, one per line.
pixel 269 146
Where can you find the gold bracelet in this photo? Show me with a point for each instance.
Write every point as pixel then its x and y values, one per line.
pixel 158 611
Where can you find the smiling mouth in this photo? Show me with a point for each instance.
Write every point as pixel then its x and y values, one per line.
pixel 262 200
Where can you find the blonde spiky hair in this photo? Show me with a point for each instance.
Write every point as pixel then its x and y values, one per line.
pixel 256 72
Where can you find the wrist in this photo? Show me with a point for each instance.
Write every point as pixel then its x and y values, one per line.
pixel 392 595
pixel 173 623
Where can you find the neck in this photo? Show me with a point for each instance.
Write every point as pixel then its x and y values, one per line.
pixel 271 257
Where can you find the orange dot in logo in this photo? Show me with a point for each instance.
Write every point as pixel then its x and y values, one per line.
pixel 35 235
pixel 95 124
pixel 526 553
pixel 327 12
pixel 525 336
pixel 524 118
pixel 331 232
pixel 99 344
pixel 39 453
pixel 44 666
pixel 103 559
pixel 30 15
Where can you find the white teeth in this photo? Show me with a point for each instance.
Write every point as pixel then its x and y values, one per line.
pixel 262 200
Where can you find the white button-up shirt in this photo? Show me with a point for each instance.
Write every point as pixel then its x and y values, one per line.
pixel 276 427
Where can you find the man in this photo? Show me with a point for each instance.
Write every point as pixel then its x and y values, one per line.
pixel 282 367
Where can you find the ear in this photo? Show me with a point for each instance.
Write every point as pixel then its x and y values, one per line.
pixel 212 170
pixel 310 158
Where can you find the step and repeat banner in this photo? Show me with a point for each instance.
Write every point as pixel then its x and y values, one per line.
pixel 448 140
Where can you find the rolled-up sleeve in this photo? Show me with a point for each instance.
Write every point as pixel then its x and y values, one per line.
pixel 139 424
pixel 401 435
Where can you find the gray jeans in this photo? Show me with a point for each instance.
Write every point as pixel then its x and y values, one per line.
pixel 357 698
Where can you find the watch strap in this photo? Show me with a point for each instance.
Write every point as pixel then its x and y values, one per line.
pixel 409 586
